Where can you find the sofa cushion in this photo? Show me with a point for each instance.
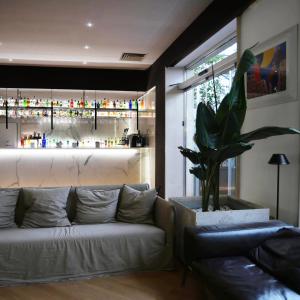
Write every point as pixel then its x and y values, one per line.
pixel 46 254
pixel 8 201
pixel 96 205
pixel 45 207
pixel 236 278
pixel 280 256
pixel 136 206
pixel 73 199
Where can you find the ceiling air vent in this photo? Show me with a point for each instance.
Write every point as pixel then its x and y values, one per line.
pixel 132 56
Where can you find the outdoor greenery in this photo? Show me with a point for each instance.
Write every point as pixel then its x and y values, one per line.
pixel 208 89
pixel 218 134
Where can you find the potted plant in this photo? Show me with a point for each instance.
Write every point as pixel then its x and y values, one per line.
pixel 218 137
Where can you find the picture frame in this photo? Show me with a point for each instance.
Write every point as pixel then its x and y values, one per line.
pixel 289 40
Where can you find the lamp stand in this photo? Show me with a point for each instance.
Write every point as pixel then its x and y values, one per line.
pixel 277 203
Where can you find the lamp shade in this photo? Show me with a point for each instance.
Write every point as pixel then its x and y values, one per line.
pixel 279 159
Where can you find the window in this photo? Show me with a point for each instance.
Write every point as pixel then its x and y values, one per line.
pixel 204 92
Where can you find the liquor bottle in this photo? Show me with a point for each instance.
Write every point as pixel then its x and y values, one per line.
pixel 82 103
pixel 44 141
pixel 142 104
pixel 71 103
pixel 98 104
pixel 139 141
pixel 114 104
pixel 124 104
pixel 121 104
pixel 134 104
pixel 86 104
pixel 130 104
pixel 22 141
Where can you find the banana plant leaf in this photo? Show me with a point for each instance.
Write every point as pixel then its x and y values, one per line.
pixel 199 172
pixel 231 151
pixel 193 156
pixel 207 130
pixel 232 110
pixel 265 132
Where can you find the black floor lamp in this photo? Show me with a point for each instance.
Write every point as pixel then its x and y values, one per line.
pixel 278 159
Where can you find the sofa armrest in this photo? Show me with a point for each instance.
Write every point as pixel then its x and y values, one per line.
pixel 164 218
pixel 226 240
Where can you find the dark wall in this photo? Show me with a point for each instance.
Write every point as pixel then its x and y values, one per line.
pixel 72 78
pixel 215 17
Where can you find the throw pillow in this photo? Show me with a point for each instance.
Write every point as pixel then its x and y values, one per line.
pixel 96 206
pixel 136 206
pixel 45 207
pixel 8 202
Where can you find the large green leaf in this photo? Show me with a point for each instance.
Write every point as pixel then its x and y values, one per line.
pixel 193 156
pixel 265 132
pixel 207 130
pixel 199 172
pixel 231 151
pixel 232 110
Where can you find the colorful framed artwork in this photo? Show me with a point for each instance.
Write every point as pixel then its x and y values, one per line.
pixel 273 78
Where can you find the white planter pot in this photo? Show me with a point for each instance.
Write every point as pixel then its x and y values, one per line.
pixel 188 214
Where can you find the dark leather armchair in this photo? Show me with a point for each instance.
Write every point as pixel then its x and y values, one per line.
pixel 221 256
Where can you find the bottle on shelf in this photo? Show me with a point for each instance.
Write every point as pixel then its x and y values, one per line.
pixel 134 104
pixel 44 141
pixel 142 104
pixel 81 103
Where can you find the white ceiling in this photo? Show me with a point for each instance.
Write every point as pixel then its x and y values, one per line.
pixel 54 32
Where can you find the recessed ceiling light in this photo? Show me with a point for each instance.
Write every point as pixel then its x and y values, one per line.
pixel 10 59
pixel 84 62
pixel 1 43
pixel 86 47
pixel 89 24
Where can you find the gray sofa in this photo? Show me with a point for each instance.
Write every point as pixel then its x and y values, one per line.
pixel 80 251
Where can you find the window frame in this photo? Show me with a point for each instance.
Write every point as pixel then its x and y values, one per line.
pixel 203 76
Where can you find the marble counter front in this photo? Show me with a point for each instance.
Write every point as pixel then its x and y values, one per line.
pixel 65 167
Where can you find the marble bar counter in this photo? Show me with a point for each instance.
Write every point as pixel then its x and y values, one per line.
pixel 66 167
